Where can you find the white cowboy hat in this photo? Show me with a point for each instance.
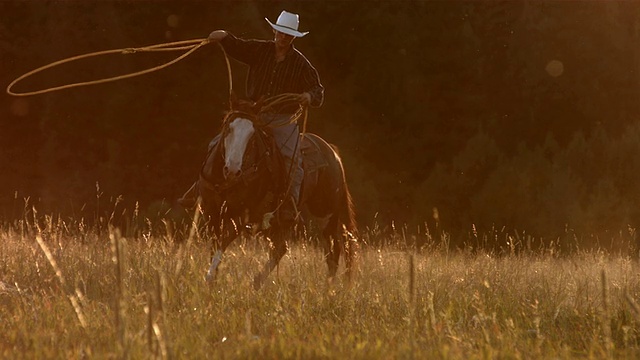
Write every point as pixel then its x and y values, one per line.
pixel 287 23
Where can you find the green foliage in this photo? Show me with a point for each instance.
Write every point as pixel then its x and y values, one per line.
pixel 584 192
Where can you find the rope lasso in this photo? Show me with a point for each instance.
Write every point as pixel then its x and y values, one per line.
pixel 191 45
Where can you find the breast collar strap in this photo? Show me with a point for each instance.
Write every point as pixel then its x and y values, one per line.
pixel 248 174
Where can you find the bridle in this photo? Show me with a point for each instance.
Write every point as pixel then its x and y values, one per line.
pixel 251 166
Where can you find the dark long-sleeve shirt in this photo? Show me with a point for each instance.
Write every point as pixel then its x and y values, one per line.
pixel 268 77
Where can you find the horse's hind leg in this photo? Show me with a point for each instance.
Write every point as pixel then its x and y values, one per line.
pixel 338 242
pixel 278 248
pixel 350 251
pixel 332 255
pixel 332 247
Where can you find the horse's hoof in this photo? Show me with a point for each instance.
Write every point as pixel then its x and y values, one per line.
pixel 209 278
pixel 257 283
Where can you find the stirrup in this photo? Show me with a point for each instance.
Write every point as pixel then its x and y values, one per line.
pixel 186 203
pixel 289 211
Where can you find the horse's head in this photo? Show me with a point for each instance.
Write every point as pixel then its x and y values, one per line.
pixel 236 136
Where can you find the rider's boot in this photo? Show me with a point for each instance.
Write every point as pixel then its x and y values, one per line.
pixel 188 200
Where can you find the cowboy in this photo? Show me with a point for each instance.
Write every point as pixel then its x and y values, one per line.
pixel 275 67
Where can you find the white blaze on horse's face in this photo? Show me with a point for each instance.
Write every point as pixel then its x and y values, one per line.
pixel 235 144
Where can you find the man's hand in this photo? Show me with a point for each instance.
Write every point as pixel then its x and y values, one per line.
pixel 217 36
pixel 305 98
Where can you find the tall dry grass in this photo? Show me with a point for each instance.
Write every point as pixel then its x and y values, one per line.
pixel 68 293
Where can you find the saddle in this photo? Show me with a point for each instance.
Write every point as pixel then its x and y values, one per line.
pixel 312 158
pixel 313 161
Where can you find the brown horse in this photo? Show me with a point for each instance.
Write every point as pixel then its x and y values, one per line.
pixel 244 181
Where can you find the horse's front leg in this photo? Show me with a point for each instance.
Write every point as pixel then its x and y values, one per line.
pixel 213 269
pixel 218 249
pixel 277 249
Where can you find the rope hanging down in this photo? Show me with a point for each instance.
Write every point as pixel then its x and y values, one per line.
pixel 190 45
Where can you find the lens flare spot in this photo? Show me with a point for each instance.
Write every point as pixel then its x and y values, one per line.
pixel 555 68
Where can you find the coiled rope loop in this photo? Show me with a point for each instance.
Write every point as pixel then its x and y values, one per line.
pixel 190 45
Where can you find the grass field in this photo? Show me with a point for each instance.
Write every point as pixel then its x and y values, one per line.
pixel 66 294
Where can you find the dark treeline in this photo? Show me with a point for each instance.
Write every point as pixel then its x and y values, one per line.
pixel 519 115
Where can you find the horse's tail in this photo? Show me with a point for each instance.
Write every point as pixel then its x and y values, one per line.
pixel 347 212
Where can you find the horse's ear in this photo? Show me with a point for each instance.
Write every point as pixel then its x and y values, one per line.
pixel 233 99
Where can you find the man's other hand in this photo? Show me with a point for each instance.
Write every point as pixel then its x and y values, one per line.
pixel 217 36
